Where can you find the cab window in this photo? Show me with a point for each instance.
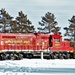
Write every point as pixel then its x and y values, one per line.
pixel 57 40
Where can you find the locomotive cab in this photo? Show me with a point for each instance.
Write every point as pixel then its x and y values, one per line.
pixel 55 40
pixel 59 48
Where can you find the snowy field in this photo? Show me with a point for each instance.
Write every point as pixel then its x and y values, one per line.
pixel 37 67
pixel 38 63
pixel 11 73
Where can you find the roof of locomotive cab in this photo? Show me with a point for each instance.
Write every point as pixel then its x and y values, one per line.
pixel 52 35
pixel 56 36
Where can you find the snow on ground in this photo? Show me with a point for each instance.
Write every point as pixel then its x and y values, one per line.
pixel 11 73
pixel 38 63
pixel 32 67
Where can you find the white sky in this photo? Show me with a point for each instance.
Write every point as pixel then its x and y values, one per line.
pixel 62 9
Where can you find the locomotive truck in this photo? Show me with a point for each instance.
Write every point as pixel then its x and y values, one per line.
pixel 19 46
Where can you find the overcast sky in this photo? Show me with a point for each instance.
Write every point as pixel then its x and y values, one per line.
pixel 62 9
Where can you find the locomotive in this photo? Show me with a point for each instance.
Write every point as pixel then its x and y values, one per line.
pixel 18 46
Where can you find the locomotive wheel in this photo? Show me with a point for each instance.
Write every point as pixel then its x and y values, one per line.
pixel 67 56
pixel 61 56
pixel 56 56
pixel 16 56
pixel 20 56
pixel 7 56
pixel 29 56
pixel 3 57
pixel 50 57
pixel 12 57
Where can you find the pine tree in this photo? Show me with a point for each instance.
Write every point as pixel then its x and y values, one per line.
pixel 24 24
pixel 48 24
pixel 70 31
pixel 5 20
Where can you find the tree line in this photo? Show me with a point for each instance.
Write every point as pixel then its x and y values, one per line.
pixel 21 24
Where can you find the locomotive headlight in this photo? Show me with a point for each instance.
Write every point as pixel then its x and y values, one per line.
pixel 71 51
pixel 57 44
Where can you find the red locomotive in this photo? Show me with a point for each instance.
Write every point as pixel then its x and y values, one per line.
pixel 17 46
